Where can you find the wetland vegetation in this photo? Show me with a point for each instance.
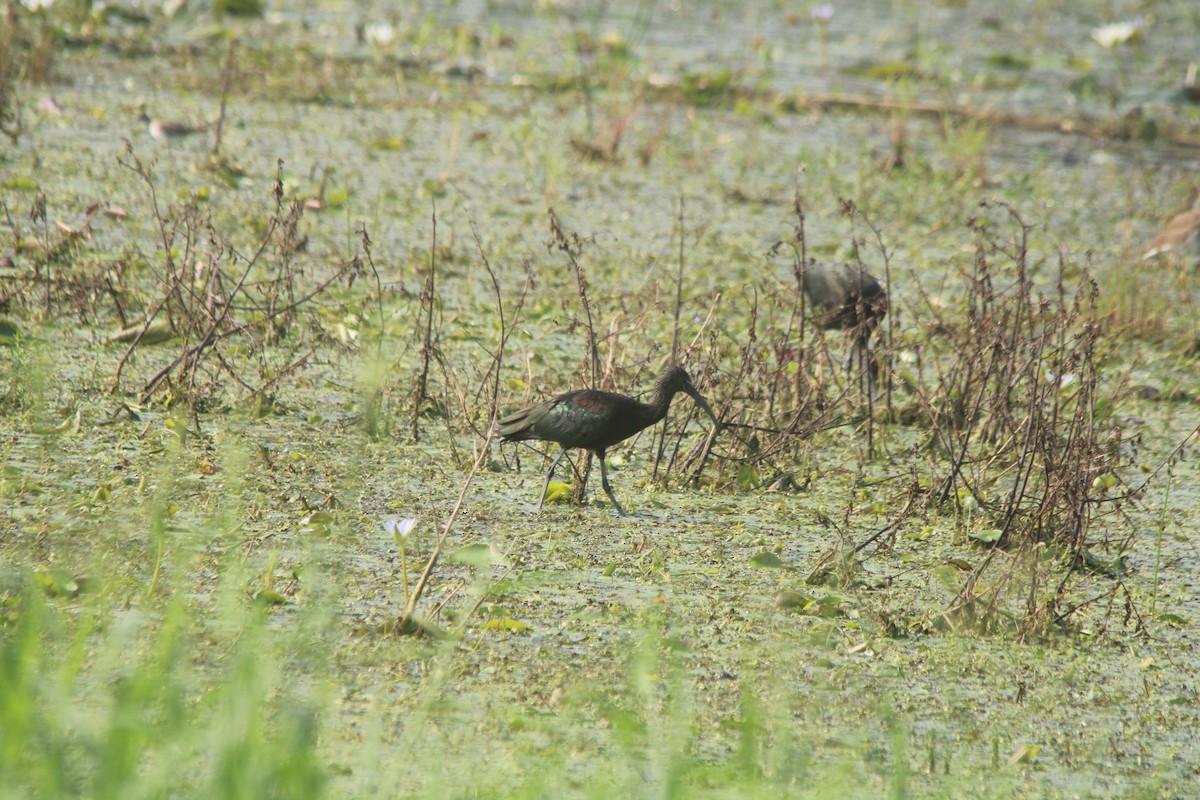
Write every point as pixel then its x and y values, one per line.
pixel 258 538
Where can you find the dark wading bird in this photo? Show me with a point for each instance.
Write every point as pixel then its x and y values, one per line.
pixel 850 299
pixel 595 421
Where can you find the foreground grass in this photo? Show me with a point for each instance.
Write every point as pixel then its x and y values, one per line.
pixel 119 709
pixel 172 651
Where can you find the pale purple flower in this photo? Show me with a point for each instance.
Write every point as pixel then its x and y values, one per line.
pixel 399 528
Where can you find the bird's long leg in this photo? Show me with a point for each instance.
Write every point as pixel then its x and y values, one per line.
pixel 607 488
pixel 868 364
pixel 872 372
pixel 549 475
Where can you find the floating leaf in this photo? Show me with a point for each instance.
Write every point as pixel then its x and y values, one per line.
pixel 320 522
pixel 1008 60
pixel 387 143
pixel 886 71
pixel 1174 620
pixel 476 555
pixel 766 560
pixel 20 183
pixel 506 624
pixel 790 600
pixel 145 333
pixel 828 606
pixel 56 583
pixel 1111 568
pixel 337 198
pixel 988 535
pixel 238 8
pixel 1086 86
pixel 270 597
pixel 920 535
pixel 558 492
pixel 9 333
pixel 947 576
pixel 748 476
pixel 1025 754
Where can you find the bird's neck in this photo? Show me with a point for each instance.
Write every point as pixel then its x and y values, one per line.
pixel 659 402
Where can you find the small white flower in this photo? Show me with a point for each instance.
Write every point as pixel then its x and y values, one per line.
pixel 380 34
pixel 822 13
pixel 1116 33
pixel 1061 380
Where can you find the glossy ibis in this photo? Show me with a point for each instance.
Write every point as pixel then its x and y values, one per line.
pixel 594 420
pixel 849 299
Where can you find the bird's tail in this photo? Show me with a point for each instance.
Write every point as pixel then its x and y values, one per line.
pixel 516 427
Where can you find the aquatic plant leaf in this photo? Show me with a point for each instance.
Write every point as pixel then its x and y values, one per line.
pixel 20 183
pixel 1008 60
pixel 828 606
pixel 476 555
pixel 9 333
pixel 766 560
pixel 790 600
pixel 988 535
pixel 270 597
pixel 947 576
pixel 56 583
pixel 336 198
pixel 238 8
pixel 387 143
pixel 886 70
pixel 1025 754
pixel 748 476
pixel 506 624
pixel 319 522
pixel 558 492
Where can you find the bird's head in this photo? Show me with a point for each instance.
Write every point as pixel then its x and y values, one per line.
pixel 676 379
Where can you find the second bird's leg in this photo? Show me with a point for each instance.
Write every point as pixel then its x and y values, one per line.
pixel 866 364
pixel 549 475
pixel 607 488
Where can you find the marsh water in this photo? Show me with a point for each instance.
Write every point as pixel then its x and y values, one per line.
pixel 588 654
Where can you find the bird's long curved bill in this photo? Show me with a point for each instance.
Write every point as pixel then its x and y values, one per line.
pixel 700 401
